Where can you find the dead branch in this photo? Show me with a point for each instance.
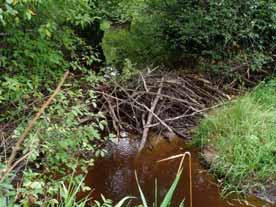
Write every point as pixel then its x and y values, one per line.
pixel 150 117
pixel 144 82
pixel 147 108
pixel 144 105
pixel 115 120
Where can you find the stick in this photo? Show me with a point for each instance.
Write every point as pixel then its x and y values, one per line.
pixel 31 125
pixel 144 82
pixel 188 115
pixel 14 165
pixel 150 117
pixel 168 97
pixel 145 107
pixel 114 118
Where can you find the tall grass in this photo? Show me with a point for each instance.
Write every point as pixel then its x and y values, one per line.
pixel 243 134
pixel 167 200
pixel 68 198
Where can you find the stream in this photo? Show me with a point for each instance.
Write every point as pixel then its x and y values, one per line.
pixel 114 177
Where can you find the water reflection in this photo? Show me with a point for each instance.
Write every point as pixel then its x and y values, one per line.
pixel 113 176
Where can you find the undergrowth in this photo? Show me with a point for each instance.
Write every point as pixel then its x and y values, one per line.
pixel 242 134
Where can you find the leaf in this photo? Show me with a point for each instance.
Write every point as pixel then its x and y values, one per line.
pixel 140 191
pixel 121 202
pixel 156 192
pixel 9 1
pixel 182 203
pixel 105 25
pixel 168 198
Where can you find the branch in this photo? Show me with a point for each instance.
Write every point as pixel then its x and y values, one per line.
pixel 144 106
pixel 150 117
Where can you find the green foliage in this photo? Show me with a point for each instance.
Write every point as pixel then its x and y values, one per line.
pixel 59 144
pixel 217 35
pixel 168 196
pixel 120 11
pixel 138 44
pixel 68 195
pixel 59 136
pixel 37 43
pixel 242 134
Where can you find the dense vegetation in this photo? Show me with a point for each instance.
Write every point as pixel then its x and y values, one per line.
pixel 40 40
pixel 225 37
pixel 242 136
pixel 38 44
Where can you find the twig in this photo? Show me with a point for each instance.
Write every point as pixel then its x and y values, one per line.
pixel 115 120
pixel 187 115
pixel 150 117
pixel 14 165
pixel 169 97
pixel 147 108
pixel 144 82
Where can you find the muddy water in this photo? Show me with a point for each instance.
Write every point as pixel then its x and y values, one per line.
pixel 113 175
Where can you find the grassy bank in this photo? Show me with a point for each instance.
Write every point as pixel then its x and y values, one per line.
pixel 243 135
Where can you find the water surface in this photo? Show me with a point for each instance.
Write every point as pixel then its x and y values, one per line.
pixel 113 175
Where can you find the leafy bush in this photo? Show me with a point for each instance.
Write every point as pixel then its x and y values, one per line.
pixel 242 134
pixel 139 43
pixel 37 43
pixel 227 36
pixel 59 146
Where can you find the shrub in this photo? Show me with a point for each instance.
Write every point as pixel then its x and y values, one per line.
pixel 37 43
pixel 226 36
pixel 60 147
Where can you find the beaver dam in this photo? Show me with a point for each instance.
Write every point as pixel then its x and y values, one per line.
pixel 170 107
pixel 165 103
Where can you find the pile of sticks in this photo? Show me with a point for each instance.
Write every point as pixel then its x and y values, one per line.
pixel 164 103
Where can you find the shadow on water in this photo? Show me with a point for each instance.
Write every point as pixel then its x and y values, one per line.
pixel 113 175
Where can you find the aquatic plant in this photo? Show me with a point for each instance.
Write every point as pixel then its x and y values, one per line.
pixel 167 200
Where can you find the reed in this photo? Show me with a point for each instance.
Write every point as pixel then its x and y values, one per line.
pixel 167 200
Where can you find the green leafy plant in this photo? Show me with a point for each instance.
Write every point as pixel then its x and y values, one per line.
pixel 167 200
pixel 216 36
pixel 169 195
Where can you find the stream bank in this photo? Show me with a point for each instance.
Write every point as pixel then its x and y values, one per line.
pixel 240 142
pixel 113 175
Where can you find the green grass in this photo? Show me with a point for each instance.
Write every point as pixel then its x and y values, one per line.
pixel 243 134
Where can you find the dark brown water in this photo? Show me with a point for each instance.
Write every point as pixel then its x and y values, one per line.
pixel 113 175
